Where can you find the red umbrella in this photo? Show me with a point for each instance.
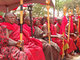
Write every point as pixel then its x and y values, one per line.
pixel 11 4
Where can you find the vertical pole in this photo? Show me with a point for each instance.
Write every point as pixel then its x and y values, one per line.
pixel 21 23
pixel 30 15
pixel 69 12
pixel 63 47
pixel 78 26
pixel 48 7
pixel 78 21
pixel 64 12
pixel 78 13
pixel 31 23
pixel 69 29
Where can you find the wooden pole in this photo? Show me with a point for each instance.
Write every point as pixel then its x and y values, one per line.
pixel 78 13
pixel 48 7
pixel 78 22
pixel 78 26
pixel 21 24
pixel 69 29
pixel 30 16
pixel 69 24
pixel 64 11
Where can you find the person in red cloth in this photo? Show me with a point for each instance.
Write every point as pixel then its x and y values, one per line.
pixel 8 49
pixel 73 29
pixel 60 29
pixel 37 23
pixel 73 36
pixel 53 33
pixel 48 49
pixel 43 21
pixel 59 39
pixel 77 40
pixel 32 47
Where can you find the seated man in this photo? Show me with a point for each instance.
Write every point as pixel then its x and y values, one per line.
pixel 69 45
pixel 32 46
pixel 8 49
pixel 51 51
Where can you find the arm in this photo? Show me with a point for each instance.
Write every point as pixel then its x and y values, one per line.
pixel 54 36
pixel 12 42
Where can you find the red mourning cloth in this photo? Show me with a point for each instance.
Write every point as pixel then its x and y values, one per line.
pixel 40 26
pixel 27 28
pixel 33 47
pixel 55 20
pixel 1 17
pixel 8 25
pixel 71 24
pixel 6 52
pixel 63 24
pixel 78 43
pixel 53 30
pixel 59 42
pixel 56 40
pixel 13 53
pixel 72 46
pixel 78 39
pixel 3 39
pixel 34 21
pixel 75 29
pixel 79 23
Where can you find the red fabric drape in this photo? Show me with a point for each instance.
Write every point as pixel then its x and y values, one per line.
pixel 71 24
pixel 33 47
pixel 64 23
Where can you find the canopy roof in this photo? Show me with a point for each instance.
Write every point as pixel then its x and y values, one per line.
pixel 11 4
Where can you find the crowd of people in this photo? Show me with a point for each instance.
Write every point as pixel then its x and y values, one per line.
pixel 38 47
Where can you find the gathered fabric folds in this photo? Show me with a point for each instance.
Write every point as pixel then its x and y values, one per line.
pixel 32 47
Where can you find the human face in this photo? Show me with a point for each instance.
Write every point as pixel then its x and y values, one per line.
pixel 27 21
pixel 43 21
pixel 37 22
pixel 59 21
pixel 11 18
